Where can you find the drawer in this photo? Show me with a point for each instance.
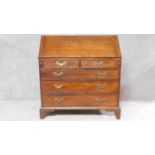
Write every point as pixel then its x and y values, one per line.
pixel 83 100
pixel 59 63
pixel 100 62
pixel 85 87
pixel 79 74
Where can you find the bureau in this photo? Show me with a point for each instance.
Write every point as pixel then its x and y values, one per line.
pixel 79 73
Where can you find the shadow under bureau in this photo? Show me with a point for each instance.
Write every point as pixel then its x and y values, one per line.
pixel 79 73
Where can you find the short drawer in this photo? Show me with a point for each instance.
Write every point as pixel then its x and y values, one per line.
pixel 59 63
pixel 83 100
pixel 79 74
pixel 100 62
pixel 85 87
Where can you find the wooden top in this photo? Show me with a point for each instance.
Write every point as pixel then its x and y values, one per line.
pixel 79 46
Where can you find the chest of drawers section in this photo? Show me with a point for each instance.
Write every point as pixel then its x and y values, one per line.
pixel 76 83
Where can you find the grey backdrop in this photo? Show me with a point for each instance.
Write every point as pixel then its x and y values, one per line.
pixel 19 75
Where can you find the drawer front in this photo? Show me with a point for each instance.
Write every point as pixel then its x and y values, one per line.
pixel 79 100
pixel 85 87
pixel 77 74
pixel 59 63
pixel 100 62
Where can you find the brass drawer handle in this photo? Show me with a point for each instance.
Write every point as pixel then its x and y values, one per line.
pixel 61 64
pixel 101 73
pixel 59 100
pixel 98 63
pixel 58 74
pixel 58 86
pixel 100 100
pixel 100 85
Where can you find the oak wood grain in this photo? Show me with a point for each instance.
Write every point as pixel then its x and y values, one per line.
pixel 85 87
pixel 79 46
pixel 59 63
pixel 100 62
pixel 79 74
pixel 79 100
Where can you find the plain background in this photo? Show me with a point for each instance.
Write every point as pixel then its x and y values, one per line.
pixel 75 17
pixel 19 78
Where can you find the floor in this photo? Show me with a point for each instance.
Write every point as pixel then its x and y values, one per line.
pixel 28 110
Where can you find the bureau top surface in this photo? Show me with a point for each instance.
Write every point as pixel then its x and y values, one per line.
pixel 79 46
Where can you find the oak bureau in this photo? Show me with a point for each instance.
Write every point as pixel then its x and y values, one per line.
pixel 79 73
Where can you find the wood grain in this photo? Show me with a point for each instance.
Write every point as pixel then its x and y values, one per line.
pixel 80 100
pixel 79 74
pixel 59 63
pixel 79 46
pixel 85 87
pixel 100 63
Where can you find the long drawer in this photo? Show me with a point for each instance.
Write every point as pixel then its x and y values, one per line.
pixel 83 100
pixel 76 74
pixel 85 87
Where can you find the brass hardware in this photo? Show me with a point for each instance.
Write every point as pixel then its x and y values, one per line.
pixel 58 86
pixel 61 64
pixel 100 85
pixel 98 63
pixel 100 100
pixel 59 100
pixel 101 73
pixel 41 64
pixel 58 74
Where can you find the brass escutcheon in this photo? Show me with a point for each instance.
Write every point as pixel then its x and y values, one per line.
pixel 100 85
pixel 98 63
pixel 59 100
pixel 61 64
pixel 58 86
pixel 100 100
pixel 101 73
pixel 58 74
